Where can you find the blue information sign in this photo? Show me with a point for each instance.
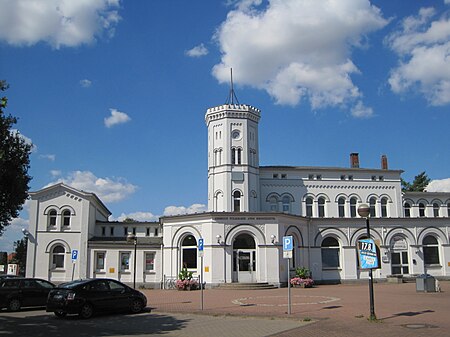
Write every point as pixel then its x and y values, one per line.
pixel 288 243
pixel 200 245
pixel 74 254
pixel 367 251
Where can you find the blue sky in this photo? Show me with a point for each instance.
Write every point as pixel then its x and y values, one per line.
pixel 113 93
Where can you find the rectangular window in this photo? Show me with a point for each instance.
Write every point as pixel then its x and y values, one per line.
pixel 283 176
pixel 125 261
pixel 100 261
pixel 310 176
pixel 275 176
pixel 125 231
pixel 330 258
pixel 156 231
pixel 134 230
pixel 149 261
pixel 431 255
pixel 103 230
pixel 147 233
pixel 350 177
pixel 343 177
pixel 319 177
pixel 111 231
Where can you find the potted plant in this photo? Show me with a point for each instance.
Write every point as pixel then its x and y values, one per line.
pixel 302 278
pixel 185 280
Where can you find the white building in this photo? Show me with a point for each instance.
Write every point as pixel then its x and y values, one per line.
pixel 251 208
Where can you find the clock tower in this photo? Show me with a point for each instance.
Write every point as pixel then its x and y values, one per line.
pixel 233 157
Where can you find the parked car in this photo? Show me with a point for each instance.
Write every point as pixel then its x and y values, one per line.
pixel 5 276
pixel 86 297
pixel 18 292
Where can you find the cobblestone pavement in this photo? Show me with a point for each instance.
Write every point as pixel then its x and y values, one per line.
pixel 331 310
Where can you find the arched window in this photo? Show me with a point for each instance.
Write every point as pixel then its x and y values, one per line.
pixel 436 210
pixel 321 207
pixel 309 206
pixel 273 204
pixel 330 253
pixel 233 156
pixel 384 202
pixel 189 252
pixel 341 207
pixel 372 203
pixel 52 218
pixel 286 201
pixel 430 250
pixel 58 257
pixel 66 218
pixel 239 156
pixel 353 202
pixel 448 209
pixel 421 210
pixel 236 201
pixel 407 210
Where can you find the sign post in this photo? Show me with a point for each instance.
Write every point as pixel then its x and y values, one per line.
pixel 200 254
pixel 287 254
pixel 74 260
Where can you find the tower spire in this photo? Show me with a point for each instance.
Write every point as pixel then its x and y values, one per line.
pixel 232 96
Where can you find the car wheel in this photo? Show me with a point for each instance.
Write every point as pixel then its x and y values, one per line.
pixel 136 306
pixel 14 305
pixel 86 311
pixel 60 314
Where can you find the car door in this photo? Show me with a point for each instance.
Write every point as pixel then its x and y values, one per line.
pixel 42 290
pixel 99 295
pixel 30 293
pixel 120 295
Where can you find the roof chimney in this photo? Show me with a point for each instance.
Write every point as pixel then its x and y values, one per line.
pixel 354 160
pixel 384 162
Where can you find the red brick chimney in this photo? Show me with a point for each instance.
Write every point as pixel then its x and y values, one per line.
pixel 384 162
pixel 354 160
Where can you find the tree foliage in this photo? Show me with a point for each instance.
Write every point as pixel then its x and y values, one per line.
pixel 14 165
pixel 20 256
pixel 419 183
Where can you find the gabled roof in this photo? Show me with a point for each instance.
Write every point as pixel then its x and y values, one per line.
pixel 86 195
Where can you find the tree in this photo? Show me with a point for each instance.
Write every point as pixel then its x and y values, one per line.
pixel 20 255
pixel 14 165
pixel 419 184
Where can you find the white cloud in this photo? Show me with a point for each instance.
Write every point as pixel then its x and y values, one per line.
pixel 423 46
pixel 197 51
pixel 177 210
pixel 297 50
pixel 55 173
pixel 116 117
pixel 138 216
pixel 57 22
pixel 442 185
pixel 85 83
pixel 361 111
pixel 50 157
pixel 107 189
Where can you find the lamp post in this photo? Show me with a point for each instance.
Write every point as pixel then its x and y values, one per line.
pixel 132 238
pixel 364 212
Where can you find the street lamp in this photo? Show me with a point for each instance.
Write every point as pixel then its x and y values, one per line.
pixel 132 238
pixel 364 212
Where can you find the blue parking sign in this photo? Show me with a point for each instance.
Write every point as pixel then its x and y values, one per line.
pixel 288 243
pixel 200 245
pixel 74 254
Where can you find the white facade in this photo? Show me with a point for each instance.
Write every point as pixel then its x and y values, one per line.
pixel 250 210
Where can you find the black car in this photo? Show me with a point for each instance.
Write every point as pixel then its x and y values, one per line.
pixel 86 297
pixel 23 292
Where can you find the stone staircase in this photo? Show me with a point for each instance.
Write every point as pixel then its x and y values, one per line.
pixel 245 286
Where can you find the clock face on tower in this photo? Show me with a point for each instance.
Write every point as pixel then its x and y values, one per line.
pixel 235 134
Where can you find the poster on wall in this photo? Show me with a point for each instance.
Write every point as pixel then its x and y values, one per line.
pixel 367 254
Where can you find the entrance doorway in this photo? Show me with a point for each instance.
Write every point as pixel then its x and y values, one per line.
pixel 244 259
pixel 399 256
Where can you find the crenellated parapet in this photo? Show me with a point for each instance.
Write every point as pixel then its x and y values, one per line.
pixel 241 111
